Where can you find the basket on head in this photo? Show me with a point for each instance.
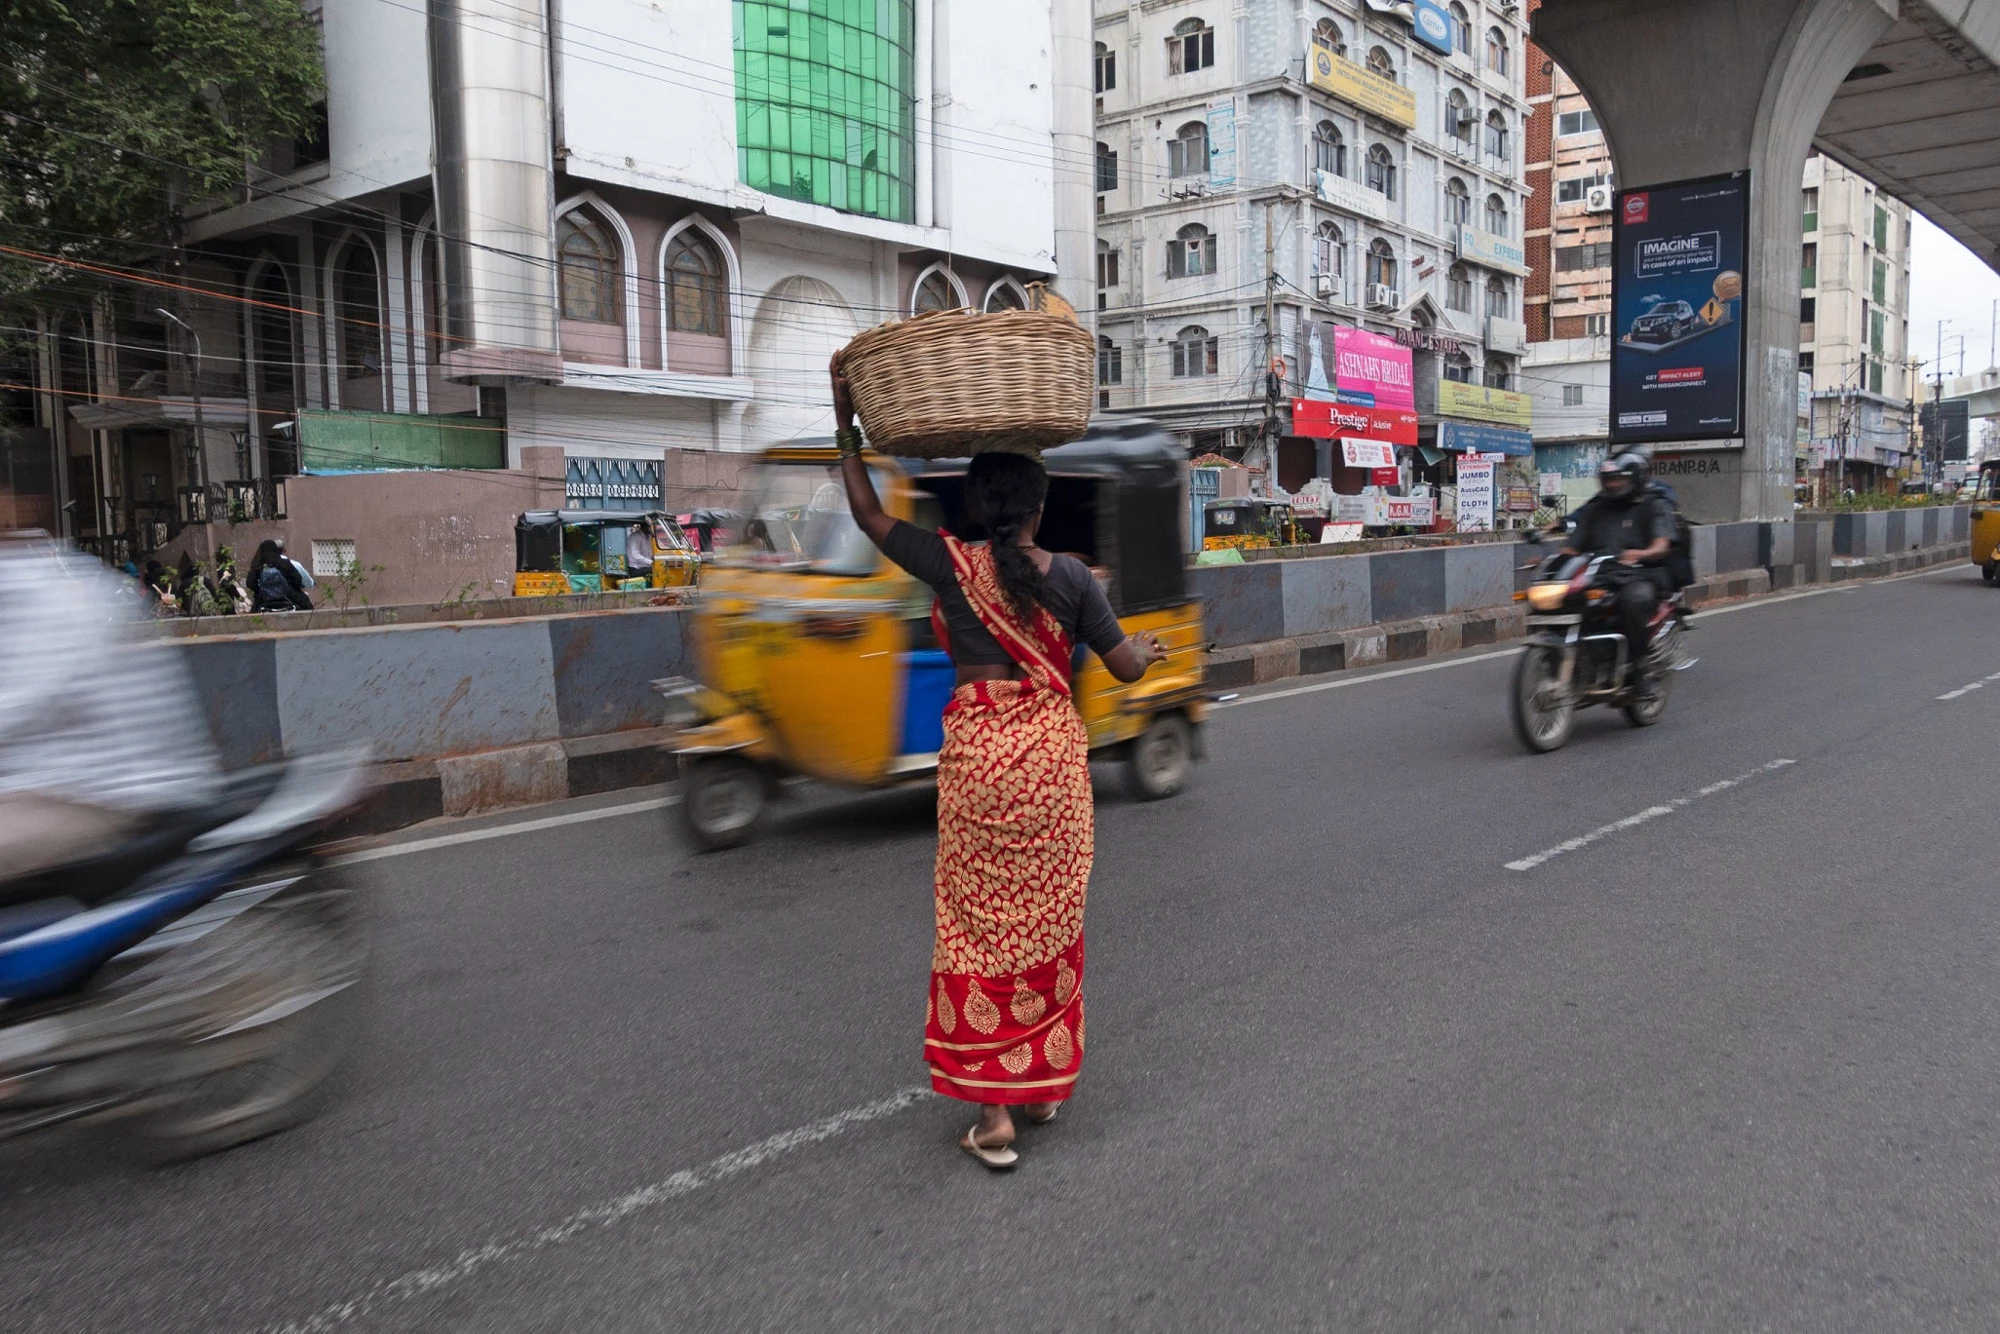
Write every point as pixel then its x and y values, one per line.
pixel 950 383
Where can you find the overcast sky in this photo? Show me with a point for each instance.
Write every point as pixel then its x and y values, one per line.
pixel 1949 283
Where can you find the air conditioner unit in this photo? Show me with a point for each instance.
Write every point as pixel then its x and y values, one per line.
pixel 1598 199
pixel 1381 297
pixel 1468 117
pixel 1324 285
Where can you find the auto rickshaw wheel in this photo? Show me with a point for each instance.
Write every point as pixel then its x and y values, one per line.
pixel 1161 758
pixel 1990 572
pixel 723 798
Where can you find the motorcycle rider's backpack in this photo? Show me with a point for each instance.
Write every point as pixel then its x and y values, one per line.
pixel 1679 563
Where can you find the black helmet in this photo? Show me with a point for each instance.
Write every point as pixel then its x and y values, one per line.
pixel 1629 467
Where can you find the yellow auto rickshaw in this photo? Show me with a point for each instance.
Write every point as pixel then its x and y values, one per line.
pixel 1247 523
pixel 1986 521
pixel 816 656
pixel 596 551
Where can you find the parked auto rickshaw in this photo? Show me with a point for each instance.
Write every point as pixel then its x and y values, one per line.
pixel 816 656
pixel 1986 521
pixel 592 551
pixel 1246 523
pixel 708 529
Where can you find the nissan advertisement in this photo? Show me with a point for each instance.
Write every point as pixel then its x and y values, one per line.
pixel 1677 354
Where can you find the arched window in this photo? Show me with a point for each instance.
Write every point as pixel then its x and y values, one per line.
pixel 1381 62
pixel 1381 171
pixel 1194 353
pixel 1458 289
pixel 1327 33
pixel 1461 123
pixel 1187 151
pixel 1105 73
pixel 1498 376
pixel 1458 366
pixel 1499 301
pixel 1329 149
pixel 697 286
pixel 1107 167
pixel 591 270
pixel 1191 254
pixel 936 291
pixel 360 311
pixel 1191 48
pixel 1006 295
pixel 271 321
pixel 1496 137
pixel 1457 203
pixel 1330 255
pixel 1497 221
pixel 1461 29
pixel 1381 264
pixel 1497 54
pixel 1107 265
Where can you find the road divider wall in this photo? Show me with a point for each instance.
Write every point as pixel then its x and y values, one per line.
pixel 475 715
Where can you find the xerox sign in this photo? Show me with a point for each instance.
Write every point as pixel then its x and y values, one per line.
pixel 1677 301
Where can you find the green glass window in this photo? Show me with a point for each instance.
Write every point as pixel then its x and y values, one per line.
pixel 824 109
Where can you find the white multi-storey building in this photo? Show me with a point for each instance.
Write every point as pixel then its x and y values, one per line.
pixel 1376 145
pixel 623 229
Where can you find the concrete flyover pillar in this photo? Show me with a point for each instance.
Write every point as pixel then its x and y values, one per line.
pixel 1689 88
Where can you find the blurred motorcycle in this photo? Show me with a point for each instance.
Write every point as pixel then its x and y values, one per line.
pixel 201 983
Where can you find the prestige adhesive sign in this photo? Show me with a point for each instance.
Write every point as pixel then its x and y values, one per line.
pixel 1677 311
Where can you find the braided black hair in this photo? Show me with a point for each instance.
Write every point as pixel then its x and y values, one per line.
pixel 1002 493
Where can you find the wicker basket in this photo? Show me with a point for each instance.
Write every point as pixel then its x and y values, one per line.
pixel 951 383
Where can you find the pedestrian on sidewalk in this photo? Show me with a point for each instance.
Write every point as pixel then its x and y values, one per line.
pixel 1015 816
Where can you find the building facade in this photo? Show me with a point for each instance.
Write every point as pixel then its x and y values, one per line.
pixel 1854 280
pixel 1268 173
pixel 618 230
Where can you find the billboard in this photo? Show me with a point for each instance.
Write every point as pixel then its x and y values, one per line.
pixel 1677 362
pixel 1480 402
pixel 1492 250
pixel 1359 86
pixel 1319 419
pixel 1358 368
pixel 1430 23
pixel 1947 427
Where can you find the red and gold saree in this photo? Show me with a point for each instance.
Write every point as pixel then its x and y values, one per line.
pixel 1015 842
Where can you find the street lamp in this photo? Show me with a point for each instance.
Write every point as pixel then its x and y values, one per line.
pixel 198 473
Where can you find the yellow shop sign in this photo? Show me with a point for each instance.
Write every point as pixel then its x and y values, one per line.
pixel 1482 403
pixel 1360 86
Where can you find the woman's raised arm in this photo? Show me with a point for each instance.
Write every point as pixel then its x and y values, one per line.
pixel 862 501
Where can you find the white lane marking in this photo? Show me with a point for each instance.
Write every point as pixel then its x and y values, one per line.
pixel 1634 821
pixel 1965 690
pixel 502 830
pixel 1362 680
pixel 1994 677
pixel 419 1282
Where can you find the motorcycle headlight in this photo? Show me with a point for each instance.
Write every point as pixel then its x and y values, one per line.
pixel 1547 597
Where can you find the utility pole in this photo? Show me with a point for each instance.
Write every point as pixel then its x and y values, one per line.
pixel 198 456
pixel 1271 359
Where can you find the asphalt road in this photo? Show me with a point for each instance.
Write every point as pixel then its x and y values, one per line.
pixel 1731 1065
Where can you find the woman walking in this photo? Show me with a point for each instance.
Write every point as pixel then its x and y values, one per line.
pixel 1015 819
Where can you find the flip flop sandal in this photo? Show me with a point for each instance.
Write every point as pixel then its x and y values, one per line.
pixel 999 1157
pixel 1042 1120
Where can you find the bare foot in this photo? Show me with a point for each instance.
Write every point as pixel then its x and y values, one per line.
pixel 995 1128
pixel 1040 1113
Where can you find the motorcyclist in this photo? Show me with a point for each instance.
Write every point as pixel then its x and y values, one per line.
pixel 1636 521
pixel 99 739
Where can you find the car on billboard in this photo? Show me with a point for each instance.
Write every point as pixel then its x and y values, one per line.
pixel 1665 322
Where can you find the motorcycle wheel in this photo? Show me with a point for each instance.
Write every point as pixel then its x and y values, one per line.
pixel 1646 713
pixel 1541 721
pixel 304 958
pixel 722 801
pixel 1161 758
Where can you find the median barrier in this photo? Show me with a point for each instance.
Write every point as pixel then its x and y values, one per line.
pixel 461 717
